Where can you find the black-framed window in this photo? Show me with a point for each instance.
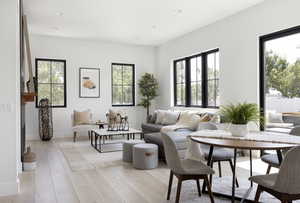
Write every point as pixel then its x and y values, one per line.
pixel 196 80
pixel 51 81
pixel 276 69
pixel 123 84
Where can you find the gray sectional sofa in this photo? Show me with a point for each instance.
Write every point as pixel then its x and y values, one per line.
pixel 153 135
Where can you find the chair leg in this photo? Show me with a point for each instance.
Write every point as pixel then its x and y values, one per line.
pixel 209 189
pixel 268 169
pixel 220 169
pixel 210 176
pixel 74 136
pixel 198 187
pixel 178 190
pixel 170 185
pixel 231 166
pixel 257 195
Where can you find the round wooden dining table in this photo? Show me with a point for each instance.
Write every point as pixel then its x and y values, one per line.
pixel 240 144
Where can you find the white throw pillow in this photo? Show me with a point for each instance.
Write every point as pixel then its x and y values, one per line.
pixel 160 116
pixel 170 117
pixel 274 117
pixel 189 120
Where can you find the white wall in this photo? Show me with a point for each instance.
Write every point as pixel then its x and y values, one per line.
pixel 10 97
pixel 94 54
pixel 237 37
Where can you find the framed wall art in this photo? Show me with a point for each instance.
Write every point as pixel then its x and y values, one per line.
pixel 89 82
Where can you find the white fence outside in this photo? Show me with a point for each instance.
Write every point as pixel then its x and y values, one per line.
pixel 282 104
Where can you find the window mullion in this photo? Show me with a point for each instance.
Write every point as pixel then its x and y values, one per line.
pixel 188 82
pixel 204 80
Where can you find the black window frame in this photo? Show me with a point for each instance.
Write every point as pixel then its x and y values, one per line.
pixel 64 84
pixel 262 72
pixel 204 81
pixel 133 83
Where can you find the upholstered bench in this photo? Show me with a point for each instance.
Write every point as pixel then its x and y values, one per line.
pixel 127 149
pixel 145 156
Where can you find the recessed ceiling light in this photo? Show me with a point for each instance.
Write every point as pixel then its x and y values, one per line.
pixel 179 11
pixel 59 13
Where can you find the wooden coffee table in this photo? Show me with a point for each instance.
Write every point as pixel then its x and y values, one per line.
pixel 98 137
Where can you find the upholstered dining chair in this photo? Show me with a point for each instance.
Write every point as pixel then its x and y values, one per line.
pixel 184 169
pixel 272 159
pixel 284 185
pixel 219 154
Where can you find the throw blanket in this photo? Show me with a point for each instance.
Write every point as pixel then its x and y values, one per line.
pixel 171 128
pixel 193 149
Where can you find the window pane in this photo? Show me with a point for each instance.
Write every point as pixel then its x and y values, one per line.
pixel 194 69
pixel 212 92
pixel 127 75
pixel 57 72
pixel 180 93
pixel 180 70
pixel 196 93
pixel 57 95
pixel 117 75
pixel 117 95
pixel 44 92
pixel 43 71
pixel 127 90
pixel 211 65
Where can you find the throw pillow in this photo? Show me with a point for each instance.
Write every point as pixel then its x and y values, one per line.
pixel 274 117
pixel 83 117
pixel 170 117
pixel 189 120
pixel 160 116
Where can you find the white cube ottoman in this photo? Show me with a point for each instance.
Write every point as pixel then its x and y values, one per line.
pixel 127 149
pixel 145 156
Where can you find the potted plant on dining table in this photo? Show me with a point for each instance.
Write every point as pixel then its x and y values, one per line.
pixel 239 115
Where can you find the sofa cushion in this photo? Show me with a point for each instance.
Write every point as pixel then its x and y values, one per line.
pixel 151 127
pixel 83 117
pixel 190 120
pixel 170 117
pixel 160 116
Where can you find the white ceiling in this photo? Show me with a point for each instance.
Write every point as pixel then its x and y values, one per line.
pixel 144 22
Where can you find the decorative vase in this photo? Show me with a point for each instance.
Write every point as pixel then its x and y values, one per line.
pixel 239 130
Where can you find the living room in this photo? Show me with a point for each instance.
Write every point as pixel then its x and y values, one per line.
pixel 198 61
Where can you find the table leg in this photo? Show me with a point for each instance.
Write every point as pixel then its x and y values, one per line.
pixel 233 177
pixel 133 136
pixel 92 132
pixel 251 173
pixel 209 162
pixel 96 140
pixel 279 154
pixel 100 137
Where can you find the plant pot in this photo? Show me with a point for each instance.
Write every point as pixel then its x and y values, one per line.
pixel 239 130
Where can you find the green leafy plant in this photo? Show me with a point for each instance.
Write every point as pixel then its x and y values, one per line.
pixel 241 113
pixel 148 87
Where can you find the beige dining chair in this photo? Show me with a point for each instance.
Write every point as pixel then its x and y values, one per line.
pixel 184 169
pixel 272 159
pixel 284 185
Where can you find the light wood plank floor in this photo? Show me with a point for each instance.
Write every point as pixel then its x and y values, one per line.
pixel 84 175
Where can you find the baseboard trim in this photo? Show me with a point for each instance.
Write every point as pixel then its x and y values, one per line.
pixel 9 188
